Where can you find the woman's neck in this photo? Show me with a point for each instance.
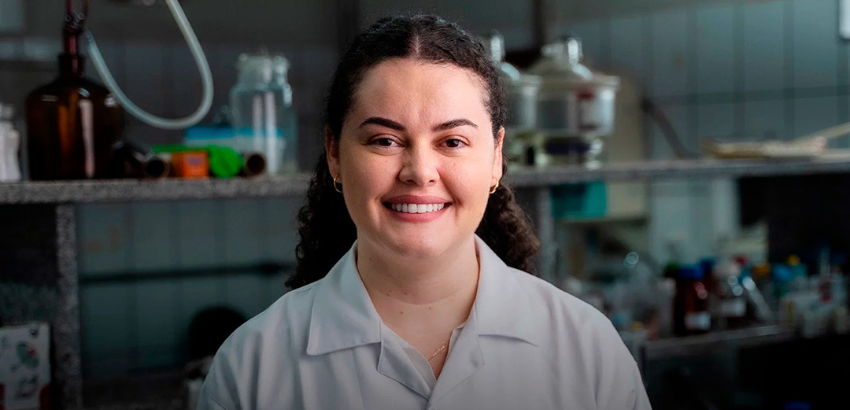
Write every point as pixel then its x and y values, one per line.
pixel 415 295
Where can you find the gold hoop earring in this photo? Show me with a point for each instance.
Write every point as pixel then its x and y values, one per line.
pixel 337 186
pixel 495 187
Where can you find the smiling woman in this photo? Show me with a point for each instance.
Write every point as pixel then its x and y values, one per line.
pixel 410 290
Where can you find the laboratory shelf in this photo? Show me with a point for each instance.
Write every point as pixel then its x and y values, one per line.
pixel 678 169
pixel 127 190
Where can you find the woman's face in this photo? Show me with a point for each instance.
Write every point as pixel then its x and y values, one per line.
pixel 417 157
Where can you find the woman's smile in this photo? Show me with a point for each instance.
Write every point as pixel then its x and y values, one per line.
pixel 412 208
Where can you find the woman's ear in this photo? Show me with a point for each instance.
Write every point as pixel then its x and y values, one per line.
pixel 497 158
pixel 332 151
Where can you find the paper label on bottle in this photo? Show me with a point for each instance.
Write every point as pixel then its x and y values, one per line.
pixel 698 321
pixel 733 308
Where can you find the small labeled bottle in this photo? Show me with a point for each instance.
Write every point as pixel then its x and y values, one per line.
pixel 691 315
pixel 731 306
pixel 72 122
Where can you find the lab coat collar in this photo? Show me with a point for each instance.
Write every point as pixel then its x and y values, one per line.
pixel 344 317
pixel 502 308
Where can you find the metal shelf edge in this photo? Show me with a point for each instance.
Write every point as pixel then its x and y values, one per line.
pixel 675 169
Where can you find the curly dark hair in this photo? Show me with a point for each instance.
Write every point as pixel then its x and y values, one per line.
pixel 326 229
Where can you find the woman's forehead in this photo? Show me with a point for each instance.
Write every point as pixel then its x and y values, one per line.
pixel 412 88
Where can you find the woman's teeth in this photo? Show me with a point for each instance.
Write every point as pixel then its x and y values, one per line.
pixel 417 208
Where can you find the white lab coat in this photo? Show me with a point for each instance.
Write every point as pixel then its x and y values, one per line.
pixel 525 345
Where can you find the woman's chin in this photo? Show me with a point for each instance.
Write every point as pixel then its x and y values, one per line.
pixel 416 248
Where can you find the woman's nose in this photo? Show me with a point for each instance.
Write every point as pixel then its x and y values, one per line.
pixel 419 166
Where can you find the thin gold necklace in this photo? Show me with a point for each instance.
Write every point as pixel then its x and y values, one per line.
pixel 438 351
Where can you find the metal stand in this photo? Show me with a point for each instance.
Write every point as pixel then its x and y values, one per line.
pixel 537 202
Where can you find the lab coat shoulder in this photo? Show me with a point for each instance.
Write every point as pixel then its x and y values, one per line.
pixel 256 352
pixel 576 329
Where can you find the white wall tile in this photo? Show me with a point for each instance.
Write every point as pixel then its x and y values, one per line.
pixel 716 121
pixel 104 321
pixel 184 80
pixel 145 86
pixel 12 17
pixel 628 48
pixel 113 55
pixel 241 218
pixel 715 49
pixel 670 222
pixel 198 233
pixel 815 43
pixel 156 305
pixel 679 116
pixel 670 54
pixel 152 229
pixel 225 73
pixel 765 119
pixel 473 16
pixel 102 236
pixel 281 225
pixel 764 45
pixel 10 48
pixel 592 40
pixel 723 200
pixel 42 48
pixel 814 114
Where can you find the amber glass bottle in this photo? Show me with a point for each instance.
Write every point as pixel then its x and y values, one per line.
pixel 72 122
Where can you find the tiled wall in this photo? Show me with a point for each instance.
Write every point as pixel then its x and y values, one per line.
pixel 130 325
pixel 739 70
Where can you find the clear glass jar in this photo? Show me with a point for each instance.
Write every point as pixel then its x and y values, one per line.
pixel 10 143
pixel 264 119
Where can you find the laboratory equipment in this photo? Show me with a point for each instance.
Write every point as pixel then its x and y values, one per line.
pixel 72 122
pixel 691 315
pixel 522 91
pixel 264 119
pixel 575 106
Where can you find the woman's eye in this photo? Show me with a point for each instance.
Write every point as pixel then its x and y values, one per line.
pixel 383 142
pixel 454 143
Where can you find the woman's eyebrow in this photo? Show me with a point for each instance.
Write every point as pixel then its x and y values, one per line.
pixel 384 122
pixel 454 123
